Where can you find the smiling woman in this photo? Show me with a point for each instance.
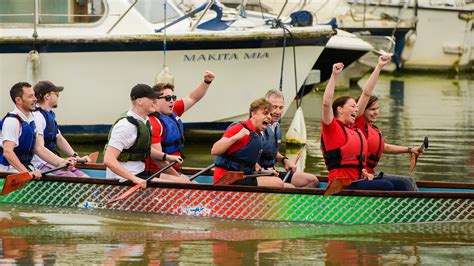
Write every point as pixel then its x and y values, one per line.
pixel 344 146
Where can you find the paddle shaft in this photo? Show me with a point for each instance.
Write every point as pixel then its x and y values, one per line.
pixel 258 175
pixel 137 186
pixel 296 161
pixel 201 172
pixel 160 171
pixel 54 169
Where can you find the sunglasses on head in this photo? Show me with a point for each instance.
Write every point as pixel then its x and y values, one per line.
pixel 168 98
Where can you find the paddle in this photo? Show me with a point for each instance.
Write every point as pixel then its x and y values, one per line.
pixel 137 186
pixel 414 158
pixel 233 176
pixel 201 172
pixel 298 156
pixel 16 181
pixel 337 185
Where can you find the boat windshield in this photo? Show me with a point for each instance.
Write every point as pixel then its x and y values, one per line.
pixel 153 10
pixel 51 11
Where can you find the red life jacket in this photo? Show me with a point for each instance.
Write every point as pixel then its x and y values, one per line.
pixel 349 155
pixel 375 146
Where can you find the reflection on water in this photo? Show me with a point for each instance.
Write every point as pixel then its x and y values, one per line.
pixel 43 236
pixel 410 109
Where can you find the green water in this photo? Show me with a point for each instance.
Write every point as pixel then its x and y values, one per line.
pixel 412 107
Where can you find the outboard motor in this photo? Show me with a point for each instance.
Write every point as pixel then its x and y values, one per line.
pixel 301 18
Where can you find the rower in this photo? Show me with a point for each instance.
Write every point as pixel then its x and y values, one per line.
pixel 271 138
pixel 344 146
pixel 48 136
pixel 376 144
pixel 129 141
pixel 167 127
pixel 18 134
pixel 240 147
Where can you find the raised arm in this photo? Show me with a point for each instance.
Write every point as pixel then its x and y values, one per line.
pixel 222 145
pixel 329 93
pixel 195 95
pixel 370 85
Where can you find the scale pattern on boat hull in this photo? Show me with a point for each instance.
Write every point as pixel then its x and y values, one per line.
pixel 247 205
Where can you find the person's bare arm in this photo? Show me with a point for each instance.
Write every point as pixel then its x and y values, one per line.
pixel 370 85
pixel 110 161
pixel 329 93
pixel 196 94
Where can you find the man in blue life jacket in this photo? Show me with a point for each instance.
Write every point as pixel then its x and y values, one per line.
pixel 18 133
pixel 271 139
pixel 48 136
pixel 168 133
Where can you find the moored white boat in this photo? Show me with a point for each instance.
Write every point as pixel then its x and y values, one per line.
pixel 443 39
pixel 99 60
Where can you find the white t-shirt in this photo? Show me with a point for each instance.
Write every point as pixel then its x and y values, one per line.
pixel 123 137
pixel 40 122
pixel 11 130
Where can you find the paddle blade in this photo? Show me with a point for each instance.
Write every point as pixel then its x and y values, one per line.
pixel 230 178
pixel 125 195
pixel 413 161
pixel 426 142
pixel 93 156
pixel 337 185
pixel 15 181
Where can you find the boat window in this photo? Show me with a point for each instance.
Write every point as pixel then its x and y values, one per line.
pixel 153 10
pixel 51 11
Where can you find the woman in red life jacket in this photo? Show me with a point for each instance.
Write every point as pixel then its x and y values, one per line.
pixel 376 144
pixel 343 145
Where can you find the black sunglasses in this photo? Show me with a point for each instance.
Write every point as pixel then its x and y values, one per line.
pixel 168 98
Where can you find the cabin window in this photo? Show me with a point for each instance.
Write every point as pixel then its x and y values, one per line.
pixel 153 10
pixel 51 11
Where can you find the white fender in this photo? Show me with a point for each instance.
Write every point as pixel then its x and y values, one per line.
pixel 164 76
pixel 410 40
pixel 297 131
pixel 33 67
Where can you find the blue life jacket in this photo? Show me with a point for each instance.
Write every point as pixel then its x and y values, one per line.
pixel 271 145
pixel 244 159
pixel 173 132
pixel 26 143
pixel 51 130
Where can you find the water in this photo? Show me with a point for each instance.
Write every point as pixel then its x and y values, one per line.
pixel 412 107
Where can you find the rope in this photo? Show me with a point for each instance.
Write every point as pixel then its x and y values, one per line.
pixel 164 40
pixel 282 58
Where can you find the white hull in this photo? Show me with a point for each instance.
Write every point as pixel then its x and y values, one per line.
pixel 98 84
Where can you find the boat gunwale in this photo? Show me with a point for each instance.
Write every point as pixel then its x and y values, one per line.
pixel 257 35
pixel 252 189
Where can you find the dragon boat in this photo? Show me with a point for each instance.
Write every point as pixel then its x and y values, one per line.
pixel 435 202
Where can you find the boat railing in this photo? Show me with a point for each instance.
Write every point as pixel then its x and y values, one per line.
pixel 122 16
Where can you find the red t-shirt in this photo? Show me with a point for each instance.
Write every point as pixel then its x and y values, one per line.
pixel 239 144
pixel 334 137
pixel 157 135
